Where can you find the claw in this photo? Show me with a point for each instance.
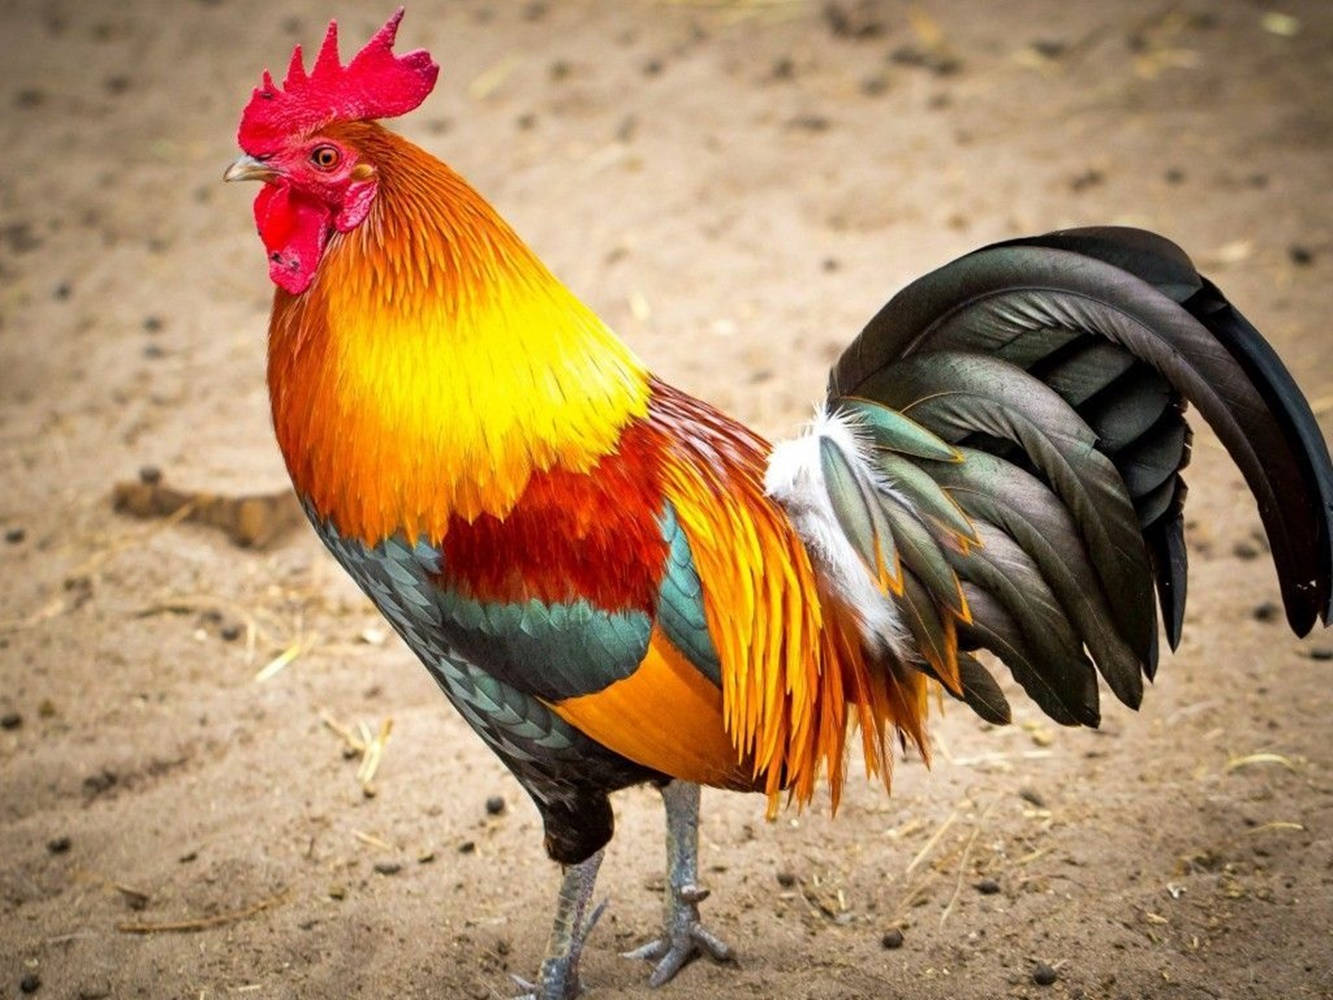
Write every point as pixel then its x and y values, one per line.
pixel 685 939
pixel 557 981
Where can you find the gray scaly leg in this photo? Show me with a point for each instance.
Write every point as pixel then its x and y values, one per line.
pixel 559 976
pixel 684 936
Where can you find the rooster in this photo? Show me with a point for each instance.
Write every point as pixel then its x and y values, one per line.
pixel 614 583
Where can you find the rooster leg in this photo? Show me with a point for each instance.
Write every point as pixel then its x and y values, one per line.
pixel 559 976
pixel 684 936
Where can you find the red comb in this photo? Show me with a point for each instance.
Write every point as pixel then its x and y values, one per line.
pixel 375 84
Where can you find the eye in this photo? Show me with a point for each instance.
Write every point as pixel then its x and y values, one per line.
pixel 325 157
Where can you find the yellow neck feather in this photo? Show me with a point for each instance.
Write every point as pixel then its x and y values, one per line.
pixel 435 364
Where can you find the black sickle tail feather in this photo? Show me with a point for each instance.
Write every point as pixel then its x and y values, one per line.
pixel 1118 328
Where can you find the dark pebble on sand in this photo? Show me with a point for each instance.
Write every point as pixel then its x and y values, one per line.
pixel 786 879
pixel 467 847
pixel 1044 975
pixel 1266 612
pixel 892 939
pixel 388 867
pixel 988 887
pixel 1303 256
pixel 495 805
pixel 15 535
pixel 11 720
pixel 58 845
pixel 30 983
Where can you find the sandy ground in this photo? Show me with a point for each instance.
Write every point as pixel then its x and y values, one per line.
pixel 736 189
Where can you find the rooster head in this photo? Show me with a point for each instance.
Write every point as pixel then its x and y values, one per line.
pixel 316 182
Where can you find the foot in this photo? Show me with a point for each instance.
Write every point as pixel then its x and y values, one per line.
pixel 559 975
pixel 683 939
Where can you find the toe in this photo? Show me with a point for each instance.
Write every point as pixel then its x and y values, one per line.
pixel 649 952
pixel 674 960
pixel 718 949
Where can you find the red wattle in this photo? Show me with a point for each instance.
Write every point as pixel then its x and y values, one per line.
pixel 294 229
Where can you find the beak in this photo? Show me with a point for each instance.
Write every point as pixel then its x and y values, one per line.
pixel 247 168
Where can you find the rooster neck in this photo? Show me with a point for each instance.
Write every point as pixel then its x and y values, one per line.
pixel 435 365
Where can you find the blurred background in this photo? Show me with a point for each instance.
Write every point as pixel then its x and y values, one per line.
pixel 221 775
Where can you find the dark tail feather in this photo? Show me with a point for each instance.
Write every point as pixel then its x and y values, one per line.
pixel 1030 300
pixel 1303 438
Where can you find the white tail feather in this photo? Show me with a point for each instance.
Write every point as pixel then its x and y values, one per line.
pixel 795 479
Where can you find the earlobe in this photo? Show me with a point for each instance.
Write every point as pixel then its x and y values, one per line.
pixel 356 205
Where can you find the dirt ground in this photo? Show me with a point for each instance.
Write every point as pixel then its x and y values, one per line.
pixel 736 187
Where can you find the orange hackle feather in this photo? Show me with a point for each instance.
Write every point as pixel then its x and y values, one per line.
pixel 437 382
pixel 435 364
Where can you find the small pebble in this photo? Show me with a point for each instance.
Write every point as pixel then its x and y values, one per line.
pixel 426 856
pixel 15 535
pixel 337 892
pixel 467 847
pixel 810 123
pixel 388 867
pixel 152 324
pixel 62 291
pixel 96 784
pixel 1089 178
pixel 495 805
pixel 187 857
pixel 1175 176
pixel 1033 796
pixel 873 86
pixel 1321 652
pixel 786 879
pixel 892 939
pixel 988 887
pixel 1244 550
pixel 11 720
pixel 150 475
pixel 1266 612
pixel 230 632
pixel 58 845
pixel 1044 975
pixel 30 983
pixel 1300 255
